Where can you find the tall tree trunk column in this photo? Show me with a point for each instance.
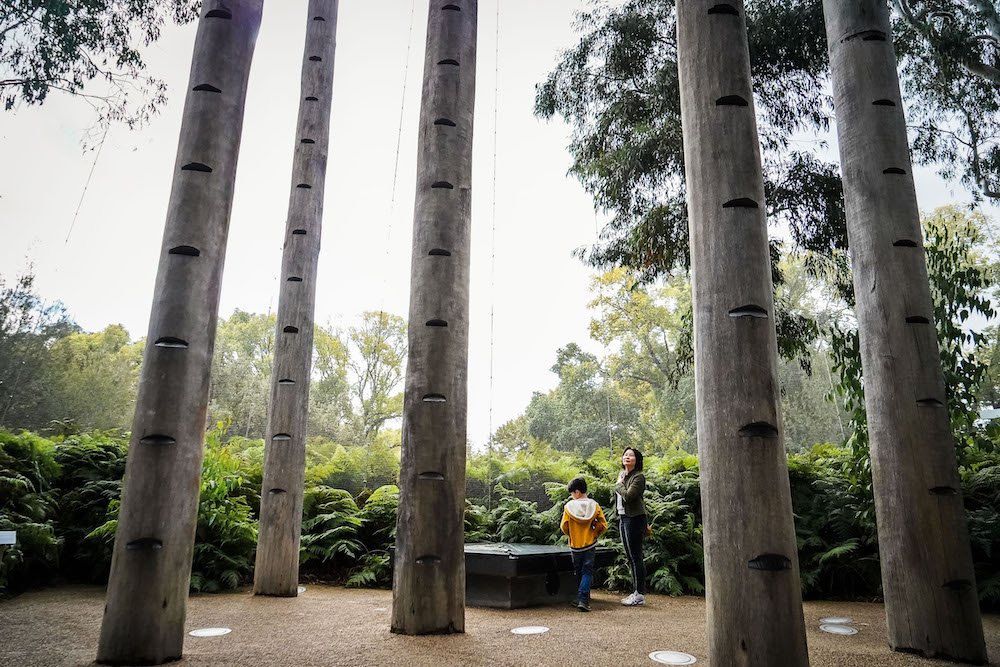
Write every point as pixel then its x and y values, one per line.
pixel 151 566
pixel 429 574
pixel 277 569
pixel 927 573
pixel 754 603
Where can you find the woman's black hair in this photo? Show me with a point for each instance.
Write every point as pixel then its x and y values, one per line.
pixel 638 459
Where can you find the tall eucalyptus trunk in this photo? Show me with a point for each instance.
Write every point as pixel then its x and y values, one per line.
pixel 151 565
pixel 277 569
pixel 927 573
pixel 754 603
pixel 429 574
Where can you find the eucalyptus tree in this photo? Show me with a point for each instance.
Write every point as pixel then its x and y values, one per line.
pixel 277 568
pixel 378 350
pixel 429 575
pixel 29 329
pixel 64 46
pixel 927 571
pixel 950 68
pixel 753 595
pixel 617 88
pixel 151 564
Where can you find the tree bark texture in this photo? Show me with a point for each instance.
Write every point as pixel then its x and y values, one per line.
pixel 429 574
pixel 277 567
pixel 151 565
pixel 927 572
pixel 754 604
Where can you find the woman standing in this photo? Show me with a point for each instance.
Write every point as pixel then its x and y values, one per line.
pixel 632 520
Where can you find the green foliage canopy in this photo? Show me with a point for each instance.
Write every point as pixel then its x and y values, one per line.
pixel 64 45
pixel 618 89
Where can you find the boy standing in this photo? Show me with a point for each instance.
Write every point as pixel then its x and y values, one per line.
pixel 584 522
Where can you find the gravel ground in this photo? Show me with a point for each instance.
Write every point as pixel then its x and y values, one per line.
pixel 328 625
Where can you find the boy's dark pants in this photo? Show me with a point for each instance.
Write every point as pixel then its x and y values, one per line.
pixel 583 567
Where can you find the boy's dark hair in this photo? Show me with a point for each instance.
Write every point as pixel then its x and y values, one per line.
pixel 578 484
pixel 638 458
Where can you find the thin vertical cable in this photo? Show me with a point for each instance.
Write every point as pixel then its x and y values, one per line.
pixel 611 445
pixel 395 166
pixel 493 246
pixel 86 185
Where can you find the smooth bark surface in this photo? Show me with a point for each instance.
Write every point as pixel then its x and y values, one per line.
pixel 277 567
pixel 927 572
pixel 429 574
pixel 754 606
pixel 151 566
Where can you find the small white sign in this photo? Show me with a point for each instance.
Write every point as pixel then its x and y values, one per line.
pixel 8 537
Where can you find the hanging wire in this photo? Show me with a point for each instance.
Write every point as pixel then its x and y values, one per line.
pixel 395 165
pixel 611 445
pixel 493 250
pixel 392 200
pixel 86 185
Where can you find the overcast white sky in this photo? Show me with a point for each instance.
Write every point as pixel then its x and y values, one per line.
pixel 104 272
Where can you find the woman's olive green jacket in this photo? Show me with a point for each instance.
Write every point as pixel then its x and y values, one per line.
pixel 631 489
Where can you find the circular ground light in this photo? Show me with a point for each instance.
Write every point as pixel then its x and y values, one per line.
pixel 837 620
pixel 530 630
pixel 210 632
pixel 837 629
pixel 672 658
pixel 302 589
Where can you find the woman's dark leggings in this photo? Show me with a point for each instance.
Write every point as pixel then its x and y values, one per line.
pixel 633 529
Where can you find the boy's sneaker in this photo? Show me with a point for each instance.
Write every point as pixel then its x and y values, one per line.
pixel 634 600
pixel 583 605
pixel 629 601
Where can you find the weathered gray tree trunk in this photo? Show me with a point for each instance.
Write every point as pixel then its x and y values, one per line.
pixel 151 566
pixel 429 575
pixel 754 603
pixel 277 569
pixel 927 573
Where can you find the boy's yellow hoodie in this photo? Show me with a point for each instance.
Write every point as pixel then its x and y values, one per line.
pixel 584 522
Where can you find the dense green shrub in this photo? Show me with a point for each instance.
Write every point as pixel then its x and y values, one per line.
pixel 92 469
pixel 62 497
pixel 27 505
pixel 517 520
pixel 378 533
pixel 226 533
pixel 330 526
pixel 226 537
pixel 378 518
pixel 673 553
pixel 981 489
pixel 834 526
pixel 479 525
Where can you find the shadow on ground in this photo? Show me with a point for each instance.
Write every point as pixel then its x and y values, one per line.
pixel 328 625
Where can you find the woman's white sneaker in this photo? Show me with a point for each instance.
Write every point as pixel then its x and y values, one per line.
pixel 634 600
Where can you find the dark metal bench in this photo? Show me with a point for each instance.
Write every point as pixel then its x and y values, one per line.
pixel 508 576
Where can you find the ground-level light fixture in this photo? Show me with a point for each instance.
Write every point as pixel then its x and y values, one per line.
pixel 672 658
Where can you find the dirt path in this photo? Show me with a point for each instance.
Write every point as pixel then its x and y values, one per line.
pixel 336 626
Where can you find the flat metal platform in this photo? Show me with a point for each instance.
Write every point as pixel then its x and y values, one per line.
pixel 509 576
